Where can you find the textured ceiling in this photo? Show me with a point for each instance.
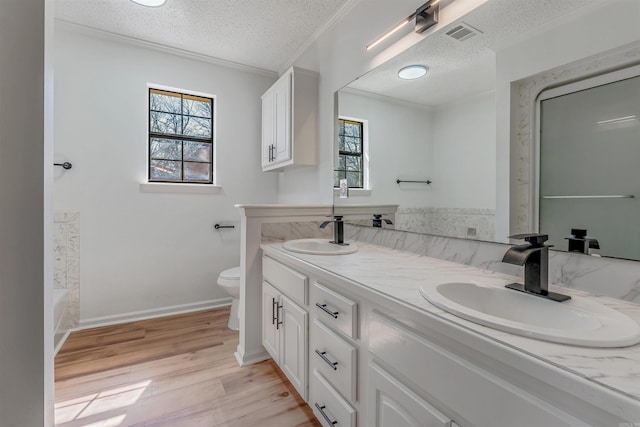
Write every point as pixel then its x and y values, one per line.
pixel 260 33
pixel 460 69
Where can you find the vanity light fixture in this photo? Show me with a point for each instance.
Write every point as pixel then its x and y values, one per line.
pixel 411 72
pixel 426 16
pixel 150 3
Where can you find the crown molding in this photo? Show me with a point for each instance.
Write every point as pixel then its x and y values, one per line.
pixel 388 99
pixel 346 7
pixel 111 36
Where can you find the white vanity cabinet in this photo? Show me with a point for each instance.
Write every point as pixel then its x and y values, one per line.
pixel 285 323
pixel 373 360
pixel 289 120
pixel 392 404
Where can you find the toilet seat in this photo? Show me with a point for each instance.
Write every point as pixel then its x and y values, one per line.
pixel 230 277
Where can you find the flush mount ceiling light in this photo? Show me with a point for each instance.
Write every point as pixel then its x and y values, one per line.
pixel 426 16
pixel 411 72
pixel 149 3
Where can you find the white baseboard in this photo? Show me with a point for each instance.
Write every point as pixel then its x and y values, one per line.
pixel 245 359
pixel 153 313
pixel 61 342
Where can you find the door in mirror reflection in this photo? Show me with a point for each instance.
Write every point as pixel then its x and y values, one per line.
pixel 589 171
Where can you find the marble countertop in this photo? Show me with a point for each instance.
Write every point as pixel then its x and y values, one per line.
pixel 399 275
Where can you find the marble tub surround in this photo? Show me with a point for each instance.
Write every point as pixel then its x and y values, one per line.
pixel 398 275
pixel 615 278
pixel 454 222
pixel 281 232
pixel 66 267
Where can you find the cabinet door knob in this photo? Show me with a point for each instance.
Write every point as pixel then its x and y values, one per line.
pixel 326 309
pixel 323 356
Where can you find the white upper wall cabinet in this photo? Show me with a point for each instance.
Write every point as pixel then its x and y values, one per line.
pixel 290 120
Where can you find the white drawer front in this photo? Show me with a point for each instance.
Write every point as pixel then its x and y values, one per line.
pixel 335 358
pixel 290 282
pixel 328 406
pixel 335 310
pixel 479 395
pixel 392 404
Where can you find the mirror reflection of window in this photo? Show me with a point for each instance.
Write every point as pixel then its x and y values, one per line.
pixel 351 152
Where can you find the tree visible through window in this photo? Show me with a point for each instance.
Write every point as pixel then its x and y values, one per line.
pixel 180 137
pixel 350 158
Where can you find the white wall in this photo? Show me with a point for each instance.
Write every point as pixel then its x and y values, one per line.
pixel 143 251
pixel 464 154
pixel 26 275
pixel 400 146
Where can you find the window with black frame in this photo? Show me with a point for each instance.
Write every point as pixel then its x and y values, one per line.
pixel 181 137
pixel 350 154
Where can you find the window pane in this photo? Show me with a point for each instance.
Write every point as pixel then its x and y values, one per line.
pixel 197 172
pixel 165 123
pixel 341 128
pixel 342 163
pixel 341 146
pixel 196 107
pixel 165 170
pixel 195 126
pixel 337 176
pixel 167 149
pixel 352 144
pixel 354 179
pixel 351 129
pixel 354 163
pixel 197 151
pixel 165 101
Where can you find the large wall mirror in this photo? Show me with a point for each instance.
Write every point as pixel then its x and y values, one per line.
pixel 422 152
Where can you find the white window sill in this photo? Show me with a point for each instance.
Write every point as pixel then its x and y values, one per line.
pixel 167 187
pixel 353 192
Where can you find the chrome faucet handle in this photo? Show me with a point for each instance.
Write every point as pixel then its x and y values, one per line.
pixel 535 239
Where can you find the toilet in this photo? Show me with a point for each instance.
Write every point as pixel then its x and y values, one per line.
pixel 229 280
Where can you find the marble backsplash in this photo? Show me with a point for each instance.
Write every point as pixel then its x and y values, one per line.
pixel 610 277
pixel 455 222
pixel 281 232
pixel 66 266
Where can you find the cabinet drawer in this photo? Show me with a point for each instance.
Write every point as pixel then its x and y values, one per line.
pixel 334 358
pixel 477 395
pixel 335 310
pixel 288 281
pixel 328 406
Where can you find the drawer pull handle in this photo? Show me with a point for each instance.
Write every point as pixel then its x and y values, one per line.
pixel 324 308
pixel 324 415
pixel 278 322
pixel 273 311
pixel 323 356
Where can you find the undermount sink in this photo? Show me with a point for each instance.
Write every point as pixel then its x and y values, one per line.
pixel 318 247
pixel 577 321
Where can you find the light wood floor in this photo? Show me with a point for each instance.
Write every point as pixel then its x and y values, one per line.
pixel 176 371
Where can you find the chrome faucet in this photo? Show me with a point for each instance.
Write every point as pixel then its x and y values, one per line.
pixel 534 255
pixel 338 230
